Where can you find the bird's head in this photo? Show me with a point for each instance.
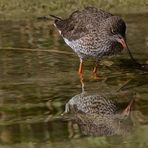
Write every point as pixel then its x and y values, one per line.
pixel 120 39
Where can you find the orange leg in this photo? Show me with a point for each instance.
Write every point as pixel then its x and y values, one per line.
pixel 95 71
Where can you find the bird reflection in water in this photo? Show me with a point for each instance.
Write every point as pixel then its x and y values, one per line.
pixel 99 114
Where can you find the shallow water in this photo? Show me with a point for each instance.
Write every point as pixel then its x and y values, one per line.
pixel 39 76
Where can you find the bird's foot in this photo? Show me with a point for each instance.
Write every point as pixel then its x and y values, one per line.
pixel 95 77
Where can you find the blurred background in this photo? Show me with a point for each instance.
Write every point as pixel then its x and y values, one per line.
pixel 20 9
pixel 38 75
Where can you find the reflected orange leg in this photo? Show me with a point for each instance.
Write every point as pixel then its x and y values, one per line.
pixel 82 83
pixel 80 72
pixel 95 71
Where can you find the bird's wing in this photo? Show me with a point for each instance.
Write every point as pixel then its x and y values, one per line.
pixel 81 23
pixel 75 26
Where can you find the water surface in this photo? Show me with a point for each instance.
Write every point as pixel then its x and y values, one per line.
pixel 39 76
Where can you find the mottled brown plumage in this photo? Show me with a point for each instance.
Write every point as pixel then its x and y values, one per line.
pixel 92 32
pixel 99 114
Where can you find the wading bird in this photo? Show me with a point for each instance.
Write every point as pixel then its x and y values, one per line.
pixel 93 32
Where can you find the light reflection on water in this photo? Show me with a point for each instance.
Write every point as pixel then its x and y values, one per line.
pixel 39 76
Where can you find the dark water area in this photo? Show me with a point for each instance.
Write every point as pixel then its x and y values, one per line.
pixel 38 77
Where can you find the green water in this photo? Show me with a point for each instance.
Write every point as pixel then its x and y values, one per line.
pixel 38 77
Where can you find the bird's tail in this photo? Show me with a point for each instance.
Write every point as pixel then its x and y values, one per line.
pixel 48 17
pixel 59 22
pixel 55 17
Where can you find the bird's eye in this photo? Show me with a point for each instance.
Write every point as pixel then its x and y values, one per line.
pixel 113 31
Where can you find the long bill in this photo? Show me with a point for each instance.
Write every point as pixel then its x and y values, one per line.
pixel 123 43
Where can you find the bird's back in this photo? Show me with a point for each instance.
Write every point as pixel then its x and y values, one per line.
pixel 81 23
pixel 88 20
